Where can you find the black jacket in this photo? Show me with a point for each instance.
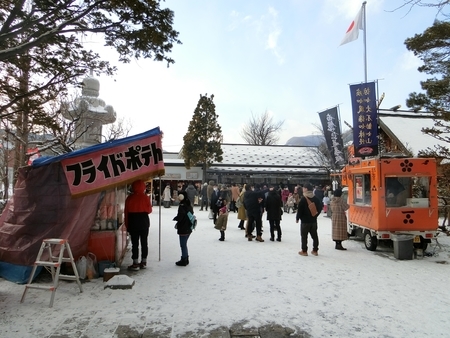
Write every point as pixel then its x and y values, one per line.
pixel 252 205
pixel 303 212
pixel 273 206
pixel 183 224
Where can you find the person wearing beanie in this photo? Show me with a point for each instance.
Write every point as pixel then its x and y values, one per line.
pixel 222 220
pixel 137 223
pixel 183 226
pixel 339 219
pixel 309 209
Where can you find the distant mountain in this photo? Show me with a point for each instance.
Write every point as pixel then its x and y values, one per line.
pixel 306 141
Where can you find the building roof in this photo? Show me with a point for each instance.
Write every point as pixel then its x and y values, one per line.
pixel 268 159
pixel 408 130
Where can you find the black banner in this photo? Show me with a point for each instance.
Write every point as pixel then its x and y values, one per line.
pixel 332 133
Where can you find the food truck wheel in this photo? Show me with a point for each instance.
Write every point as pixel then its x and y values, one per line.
pixel 370 241
pixel 422 245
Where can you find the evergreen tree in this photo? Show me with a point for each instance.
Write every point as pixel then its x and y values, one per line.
pixel 202 142
pixel 433 48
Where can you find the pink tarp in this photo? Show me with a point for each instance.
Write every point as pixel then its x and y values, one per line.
pixel 42 207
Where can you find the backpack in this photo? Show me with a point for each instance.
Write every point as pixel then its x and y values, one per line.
pixel 193 220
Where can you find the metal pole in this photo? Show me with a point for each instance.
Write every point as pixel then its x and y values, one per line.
pixel 365 44
pixel 159 203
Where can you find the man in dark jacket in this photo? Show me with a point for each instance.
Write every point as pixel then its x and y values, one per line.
pixel 274 208
pixel 309 209
pixel 254 203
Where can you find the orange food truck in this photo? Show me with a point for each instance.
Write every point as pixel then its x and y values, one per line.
pixel 392 196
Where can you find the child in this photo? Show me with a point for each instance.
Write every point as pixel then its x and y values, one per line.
pixel 221 222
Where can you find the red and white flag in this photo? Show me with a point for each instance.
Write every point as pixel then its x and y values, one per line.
pixel 353 30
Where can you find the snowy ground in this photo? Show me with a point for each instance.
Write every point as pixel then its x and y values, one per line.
pixel 353 293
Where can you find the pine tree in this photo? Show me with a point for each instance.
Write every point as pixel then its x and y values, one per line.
pixel 433 47
pixel 202 142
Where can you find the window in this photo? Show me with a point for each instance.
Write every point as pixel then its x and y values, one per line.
pixel 362 189
pixel 407 191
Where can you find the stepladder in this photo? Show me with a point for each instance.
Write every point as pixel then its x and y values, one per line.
pixel 49 258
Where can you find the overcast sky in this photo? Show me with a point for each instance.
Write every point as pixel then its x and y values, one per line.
pixel 279 56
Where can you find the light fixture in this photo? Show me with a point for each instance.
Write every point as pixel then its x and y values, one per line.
pixel 397 107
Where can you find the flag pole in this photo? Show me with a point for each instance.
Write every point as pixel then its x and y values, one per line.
pixel 365 44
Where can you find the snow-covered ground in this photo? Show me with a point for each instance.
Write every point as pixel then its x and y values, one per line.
pixel 353 293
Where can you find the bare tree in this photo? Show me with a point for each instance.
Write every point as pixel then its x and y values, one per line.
pixel 114 131
pixel 261 130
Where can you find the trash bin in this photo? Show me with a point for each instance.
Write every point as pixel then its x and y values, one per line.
pixel 403 246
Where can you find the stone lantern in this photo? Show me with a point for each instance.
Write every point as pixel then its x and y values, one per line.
pixel 90 113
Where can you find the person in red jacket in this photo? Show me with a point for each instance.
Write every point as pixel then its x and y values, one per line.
pixel 137 222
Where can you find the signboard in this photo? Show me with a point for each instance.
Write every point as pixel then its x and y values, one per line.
pixel 332 133
pixel 111 164
pixel 365 125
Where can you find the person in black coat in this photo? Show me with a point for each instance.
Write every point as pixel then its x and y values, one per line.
pixel 274 209
pixel 183 226
pixel 215 203
pixel 254 204
pixel 308 220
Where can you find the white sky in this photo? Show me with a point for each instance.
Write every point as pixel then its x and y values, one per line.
pixel 353 293
pixel 279 56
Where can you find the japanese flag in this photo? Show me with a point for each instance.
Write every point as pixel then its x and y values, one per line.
pixel 353 30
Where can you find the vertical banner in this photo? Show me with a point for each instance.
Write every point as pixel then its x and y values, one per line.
pixel 365 125
pixel 332 133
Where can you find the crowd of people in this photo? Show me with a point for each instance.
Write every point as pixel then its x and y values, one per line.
pixel 252 203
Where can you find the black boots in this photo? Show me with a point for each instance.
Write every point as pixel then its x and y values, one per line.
pixel 339 246
pixel 222 236
pixel 241 225
pixel 183 261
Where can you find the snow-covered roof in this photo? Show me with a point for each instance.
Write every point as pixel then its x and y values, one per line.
pixel 254 158
pixel 408 129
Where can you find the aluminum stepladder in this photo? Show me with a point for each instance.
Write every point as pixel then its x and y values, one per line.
pixel 54 263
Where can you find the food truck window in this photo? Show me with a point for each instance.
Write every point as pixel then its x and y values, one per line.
pixel 408 191
pixel 362 189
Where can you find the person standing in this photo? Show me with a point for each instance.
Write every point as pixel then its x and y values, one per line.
pixel 242 214
pixel 234 197
pixel 254 205
pixel 284 197
pixel 167 198
pixel 309 209
pixel 215 203
pixel 137 222
pixel 274 209
pixel 296 198
pixel 204 194
pixel 222 220
pixel 191 193
pixel 339 219
pixel 183 226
